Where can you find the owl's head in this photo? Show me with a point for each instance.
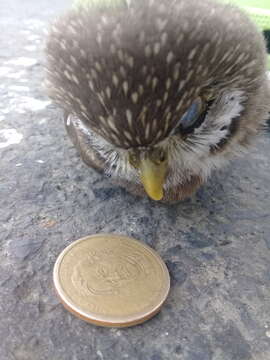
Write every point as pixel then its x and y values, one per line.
pixel 165 91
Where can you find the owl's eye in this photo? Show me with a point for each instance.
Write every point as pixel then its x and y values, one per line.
pixel 194 116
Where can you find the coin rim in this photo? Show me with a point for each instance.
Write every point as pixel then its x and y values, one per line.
pixel 108 320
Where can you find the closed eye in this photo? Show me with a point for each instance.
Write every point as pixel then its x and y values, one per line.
pixel 194 116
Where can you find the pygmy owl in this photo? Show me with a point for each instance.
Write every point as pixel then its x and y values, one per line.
pixel 158 93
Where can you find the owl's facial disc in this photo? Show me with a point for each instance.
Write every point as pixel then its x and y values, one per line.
pixel 152 166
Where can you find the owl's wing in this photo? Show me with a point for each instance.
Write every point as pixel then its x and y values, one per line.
pixel 82 142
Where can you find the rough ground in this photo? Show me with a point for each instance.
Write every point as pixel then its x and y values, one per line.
pixel 216 245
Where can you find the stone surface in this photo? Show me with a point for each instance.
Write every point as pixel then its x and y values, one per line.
pixel 216 245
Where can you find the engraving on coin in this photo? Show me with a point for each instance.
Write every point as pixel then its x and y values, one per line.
pixel 105 272
pixel 111 277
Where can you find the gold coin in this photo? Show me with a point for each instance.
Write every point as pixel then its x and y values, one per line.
pixel 111 280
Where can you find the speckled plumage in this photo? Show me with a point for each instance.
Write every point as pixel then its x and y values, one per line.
pixel 127 75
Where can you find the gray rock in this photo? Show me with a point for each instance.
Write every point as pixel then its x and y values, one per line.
pixel 216 244
pixel 23 248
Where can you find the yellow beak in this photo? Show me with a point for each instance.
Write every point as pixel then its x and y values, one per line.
pixel 153 177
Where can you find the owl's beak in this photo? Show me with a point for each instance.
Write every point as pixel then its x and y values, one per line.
pixel 153 177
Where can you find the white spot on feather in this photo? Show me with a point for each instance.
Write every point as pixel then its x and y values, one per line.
pixel 147 51
pixel 125 87
pixel 91 85
pixel 158 135
pixel 176 72
pixel 204 73
pixel 148 80
pixel 72 30
pixel 205 49
pixel 83 53
pixel 230 69
pixel 108 92
pixel 75 43
pixel 102 120
pixel 192 54
pixel 164 38
pixel 161 24
pixel 98 66
pixel 180 39
pixel 170 57
pixel 165 97
pixel 159 102
pixel 112 49
pixel 129 117
pixel 120 55
pixel 168 83
pixel 63 45
pixel 166 125
pixel 94 73
pixel 179 104
pixel 67 74
pixel 68 121
pixel 157 47
pixel 154 83
pixel 127 135
pixel 168 116
pixel 147 131
pixel 99 38
pixel 130 61
pixel 240 58
pixel 75 79
pixel 224 57
pixel 141 89
pixel 123 71
pixel 144 69
pixel 135 97
pixel 199 69
pixel 168 108
pixel 112 124
pixel 115 80
pixel 189 75
pixel 154 125
pixel 142 37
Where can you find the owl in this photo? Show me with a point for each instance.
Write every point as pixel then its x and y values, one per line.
pixel 157 94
